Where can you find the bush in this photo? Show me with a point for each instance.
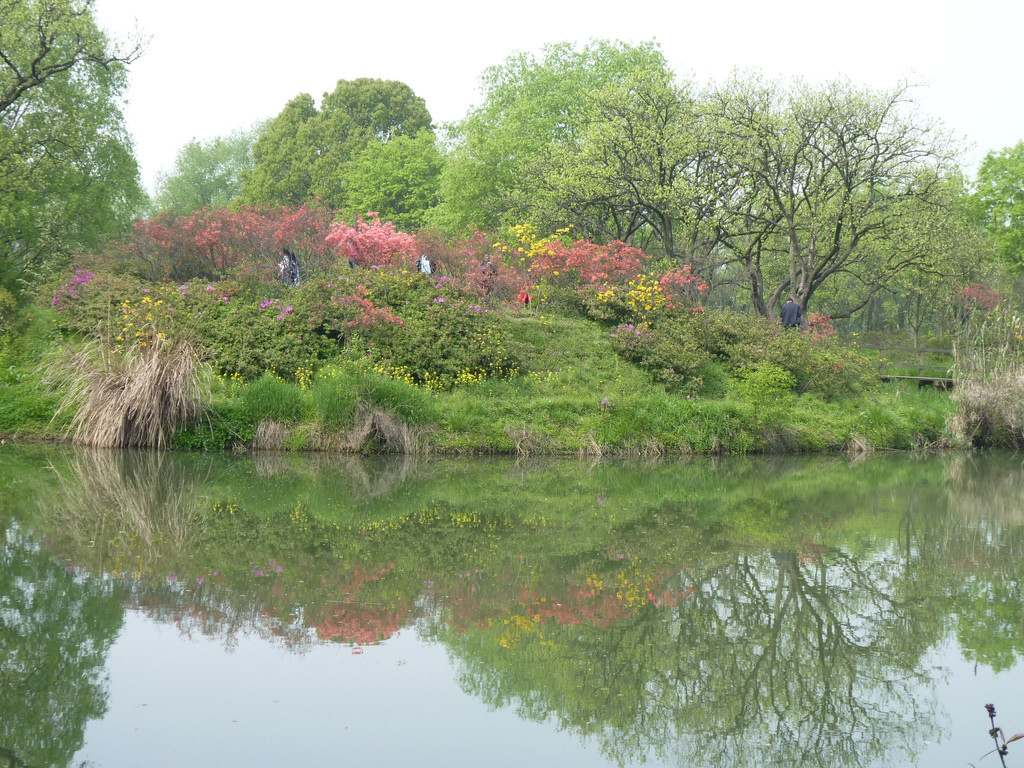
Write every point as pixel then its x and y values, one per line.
pixel 447 338
pixel 679 347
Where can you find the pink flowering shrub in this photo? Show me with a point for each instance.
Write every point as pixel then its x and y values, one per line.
pixel 373 244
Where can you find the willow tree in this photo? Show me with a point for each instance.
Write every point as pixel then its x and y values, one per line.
pixel 822 183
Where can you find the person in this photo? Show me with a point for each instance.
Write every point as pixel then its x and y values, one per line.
pixel 424 264
pixel 524 297
pixel 790 314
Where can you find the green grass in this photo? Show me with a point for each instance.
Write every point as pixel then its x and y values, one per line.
pixel 573 395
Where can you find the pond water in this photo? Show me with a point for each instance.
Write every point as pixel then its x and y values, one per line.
pixel 192 610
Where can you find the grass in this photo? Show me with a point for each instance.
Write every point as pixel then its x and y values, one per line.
pixel 131 398
pixel 573 396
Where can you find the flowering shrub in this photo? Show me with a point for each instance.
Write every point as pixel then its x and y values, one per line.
pixel 819 326
pixel 437 334
pixel 210 244
pixel 977 296
pixel 375 244
pixel 673 357
pixel 678 348
pixel 69 290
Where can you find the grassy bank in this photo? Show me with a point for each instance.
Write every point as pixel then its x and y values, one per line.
pixel 565 388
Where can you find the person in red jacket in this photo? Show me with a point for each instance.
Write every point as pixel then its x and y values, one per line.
pixel 524 297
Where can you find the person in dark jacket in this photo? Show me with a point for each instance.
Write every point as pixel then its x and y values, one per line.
pixel 791 314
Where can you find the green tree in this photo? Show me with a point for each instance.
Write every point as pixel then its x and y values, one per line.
pixel 67 169
pixel 998 202
pixel 398 179
pixel 501 152
pixel 304 152
pixel 206 174
pixel 644 166
pixel 823 178
pixel 282 158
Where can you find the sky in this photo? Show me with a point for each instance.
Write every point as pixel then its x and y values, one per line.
pixel 211 67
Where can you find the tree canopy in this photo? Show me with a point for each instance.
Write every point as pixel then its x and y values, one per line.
pixel 305 152
pixel 206 174
pixel 67 166
pixel 998 202
pixel 497 172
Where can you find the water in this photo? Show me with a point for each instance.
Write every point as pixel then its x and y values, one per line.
pixel 158 609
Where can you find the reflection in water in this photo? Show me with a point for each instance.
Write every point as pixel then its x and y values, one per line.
pixel 714 612
pixel 56 626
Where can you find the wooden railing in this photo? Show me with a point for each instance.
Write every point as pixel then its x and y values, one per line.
pixel 903 359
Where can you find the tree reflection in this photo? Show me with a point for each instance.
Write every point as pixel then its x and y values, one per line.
pixel 56 627
pixel 712 613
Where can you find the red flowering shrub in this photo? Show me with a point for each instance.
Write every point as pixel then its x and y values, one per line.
pixel 210 244
pixel 375 244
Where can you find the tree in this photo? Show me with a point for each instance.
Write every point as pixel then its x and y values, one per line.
pixel 501 153
pixel 206 175
pixel 67 169
pixel 281 170
pixel 822 179
pixel 644 165
pixel 305 153
pixel 998 202
pixel 398 179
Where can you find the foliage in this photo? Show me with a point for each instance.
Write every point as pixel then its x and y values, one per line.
pixel 398 178
pixel 67 171
pixel 998 205
pixel 210 244
pixel 206 174
pixel 677 347
pixel 447 337
pixel 8 307
pixel 375 244
pixel 498 170
pixel 304 153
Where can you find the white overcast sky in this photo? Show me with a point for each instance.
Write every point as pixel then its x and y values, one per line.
pixel 213 66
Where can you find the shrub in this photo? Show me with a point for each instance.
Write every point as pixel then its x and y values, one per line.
pixel 447 337
pixel 673 356
pixel 8 307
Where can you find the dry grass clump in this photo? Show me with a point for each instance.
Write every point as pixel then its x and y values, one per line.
pixel 135 397
pixel 271 436
pixel 988 377
pixel 990 409
pixel 374 427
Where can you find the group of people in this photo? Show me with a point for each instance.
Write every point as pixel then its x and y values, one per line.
pixel 288 268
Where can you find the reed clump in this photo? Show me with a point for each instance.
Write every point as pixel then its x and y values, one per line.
pixel 988 379
pixel 129 397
